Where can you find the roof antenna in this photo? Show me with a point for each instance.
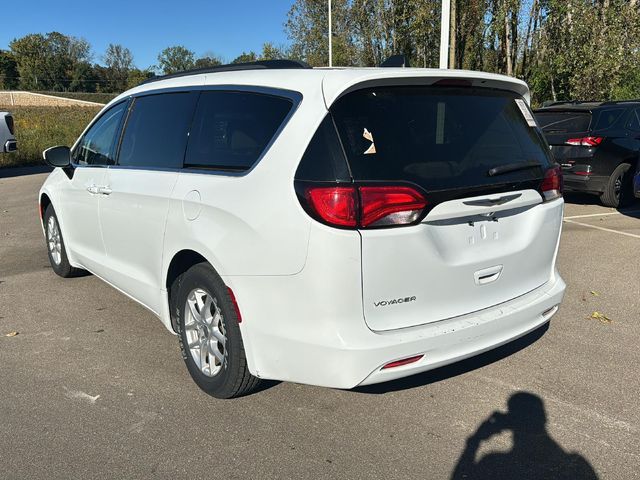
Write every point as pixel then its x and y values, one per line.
pixel 396 61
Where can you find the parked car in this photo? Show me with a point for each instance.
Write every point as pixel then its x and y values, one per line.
pixel 597 144
pixel 636 182
pixel 334 227
pixel 7 140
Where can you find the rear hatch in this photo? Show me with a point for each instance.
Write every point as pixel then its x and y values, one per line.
pixel 478 160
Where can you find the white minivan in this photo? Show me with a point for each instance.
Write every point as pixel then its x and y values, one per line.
pixel 334 227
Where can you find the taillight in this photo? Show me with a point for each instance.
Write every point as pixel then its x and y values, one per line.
pixel 9 121
pixel 383 206
pixel 365 206
pixel 552 184
pixel 585 141
pixel 335 205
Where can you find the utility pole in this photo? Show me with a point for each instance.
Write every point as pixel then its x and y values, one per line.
pixel 452 35
pixel 445 24
pixel 330 38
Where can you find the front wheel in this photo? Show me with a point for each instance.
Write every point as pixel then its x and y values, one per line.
pixel 55 246
pixel 209 335
pixel 618 190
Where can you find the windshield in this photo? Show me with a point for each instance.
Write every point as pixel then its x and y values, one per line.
pixel 438 137
pixel 562 122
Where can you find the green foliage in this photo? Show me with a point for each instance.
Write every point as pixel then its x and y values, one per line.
pixel 8 71
pixel 47 62
pixel 176 59
pixel 119 62
pixel 208 60
pixel 137 76
pixel 245 57
pixel 38 128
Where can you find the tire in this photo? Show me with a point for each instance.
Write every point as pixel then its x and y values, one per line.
pixel 56 249
pixel 209 335
pixel 617 192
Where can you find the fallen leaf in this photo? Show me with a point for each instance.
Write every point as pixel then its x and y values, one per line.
pixel 601 317
pixel 11 334
pixel 594 293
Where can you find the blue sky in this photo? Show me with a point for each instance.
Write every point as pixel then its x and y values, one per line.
pixel 226 28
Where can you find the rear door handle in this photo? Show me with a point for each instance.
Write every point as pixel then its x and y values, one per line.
pixel 106 190
pixel 93 189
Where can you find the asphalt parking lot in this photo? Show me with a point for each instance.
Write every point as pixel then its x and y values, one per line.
pixel 93 386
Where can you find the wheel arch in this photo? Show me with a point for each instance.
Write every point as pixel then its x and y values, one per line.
pixel 43 203
pixel 181 261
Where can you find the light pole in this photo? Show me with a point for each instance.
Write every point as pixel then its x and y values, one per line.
pixel 330 38
pixel 445 24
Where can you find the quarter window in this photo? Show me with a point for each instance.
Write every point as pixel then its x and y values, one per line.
pixel 97 146
pixel 157 129
pixel 231 129
pixel 634 121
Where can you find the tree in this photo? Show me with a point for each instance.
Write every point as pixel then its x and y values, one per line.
pixel 119 61
pixel 209 59
pixel 8 71
pixel 271 52
pixel 137 76
pixel 175 59
pixel 47 62
pixel 245 57
pixel 307 27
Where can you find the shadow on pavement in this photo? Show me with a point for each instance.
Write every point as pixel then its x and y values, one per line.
pixel 577 198
pixel 457 368
pixel 21 171
pixel 534 453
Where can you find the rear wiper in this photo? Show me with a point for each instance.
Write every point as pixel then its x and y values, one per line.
pixel 512 167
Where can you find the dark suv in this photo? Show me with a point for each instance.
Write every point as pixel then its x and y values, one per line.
pixel 597 144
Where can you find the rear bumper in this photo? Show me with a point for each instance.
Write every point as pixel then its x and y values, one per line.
pixel 584 183
pixel 460 338
pixel 338 351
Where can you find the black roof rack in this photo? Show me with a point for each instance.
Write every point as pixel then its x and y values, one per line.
pixel 257 65
pixel 615 102
pixel 568 102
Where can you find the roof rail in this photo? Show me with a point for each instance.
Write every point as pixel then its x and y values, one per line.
pixel 278 64
pixel 568 102
pixel 615 102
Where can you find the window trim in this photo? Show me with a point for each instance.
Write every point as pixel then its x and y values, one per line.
pixel 97 118
pixel 294 96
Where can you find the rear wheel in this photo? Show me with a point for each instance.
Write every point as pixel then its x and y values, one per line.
pixel 209 335
pixel 617 191
pixel 55 246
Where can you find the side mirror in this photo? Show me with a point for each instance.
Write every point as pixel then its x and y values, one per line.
pixel 57 156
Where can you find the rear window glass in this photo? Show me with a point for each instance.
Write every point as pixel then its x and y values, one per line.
pixel 157 130
pixel 231 129
pixel 561 122
pixel 438 137
pixel 608 118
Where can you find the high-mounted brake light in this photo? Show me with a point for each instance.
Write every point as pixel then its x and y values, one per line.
pixel 365 206
pixel 552 184
pixel 585 141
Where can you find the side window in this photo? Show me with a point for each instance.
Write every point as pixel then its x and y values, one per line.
pixel 634 121
pixel 97 146
pixel 157 130
pixel 231 129
pixel 608 118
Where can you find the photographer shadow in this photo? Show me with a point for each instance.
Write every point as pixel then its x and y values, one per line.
pixel 534 453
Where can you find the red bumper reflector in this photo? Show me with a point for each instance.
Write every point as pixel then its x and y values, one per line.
pixel 235 304
pixel 404 361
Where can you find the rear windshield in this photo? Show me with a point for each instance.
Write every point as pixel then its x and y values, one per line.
pixel 440 138
pixel 563 122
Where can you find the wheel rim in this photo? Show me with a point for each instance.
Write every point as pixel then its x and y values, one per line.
pixel 54 241
pixel 205 332
pixel 617 187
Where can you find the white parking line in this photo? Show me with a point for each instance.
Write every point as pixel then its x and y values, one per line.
pixel 601 214
pixel 602 228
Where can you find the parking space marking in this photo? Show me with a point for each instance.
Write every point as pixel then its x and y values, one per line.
pixel 601 214
pixel 602 228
